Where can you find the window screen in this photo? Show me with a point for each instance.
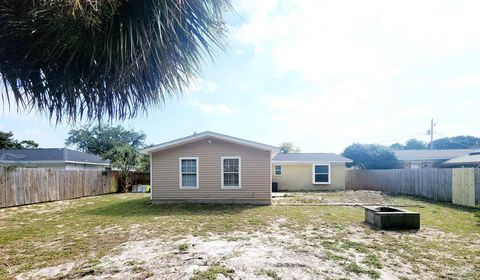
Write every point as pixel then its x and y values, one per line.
pixel 321 173
pixel 231 172
pixel 189 173
pixel 278 170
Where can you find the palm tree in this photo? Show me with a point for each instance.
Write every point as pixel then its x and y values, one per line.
pixel 95 59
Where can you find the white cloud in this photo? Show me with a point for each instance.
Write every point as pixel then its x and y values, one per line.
pixel 201 85
pixel 208 108
pixel 368 69
pixel 334 40
pixel 467 81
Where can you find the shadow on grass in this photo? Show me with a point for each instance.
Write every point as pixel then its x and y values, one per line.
pixel 470 209
pixel 143 207
pixel 475 210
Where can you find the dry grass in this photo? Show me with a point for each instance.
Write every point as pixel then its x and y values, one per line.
pixel 85 237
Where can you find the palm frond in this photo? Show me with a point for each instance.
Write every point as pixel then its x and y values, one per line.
pixel 97 59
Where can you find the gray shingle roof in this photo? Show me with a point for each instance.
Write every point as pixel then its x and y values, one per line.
pixel 53 154
pixel 311 157
pixel 431 154
pixel 472 158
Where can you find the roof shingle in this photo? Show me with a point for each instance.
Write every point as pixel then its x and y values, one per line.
pixel 49 154
pixel 431 154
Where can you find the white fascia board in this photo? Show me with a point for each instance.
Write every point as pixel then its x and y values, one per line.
pixel 307 162
pixel 199 136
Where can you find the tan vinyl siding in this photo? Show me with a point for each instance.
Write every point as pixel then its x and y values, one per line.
pixel 297 177
pixel 255 172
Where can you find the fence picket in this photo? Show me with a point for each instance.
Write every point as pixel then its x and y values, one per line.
pixel 21 186
pixel 431 183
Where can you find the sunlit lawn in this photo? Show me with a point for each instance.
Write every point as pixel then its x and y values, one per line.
pixel 77 230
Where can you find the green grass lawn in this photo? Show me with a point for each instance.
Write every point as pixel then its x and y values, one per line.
pixel 87 229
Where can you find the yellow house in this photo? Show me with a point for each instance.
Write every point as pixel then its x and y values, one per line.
pixel 309 171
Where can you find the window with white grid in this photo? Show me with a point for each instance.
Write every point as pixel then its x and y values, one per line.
pixel 231 172
pixel 189 173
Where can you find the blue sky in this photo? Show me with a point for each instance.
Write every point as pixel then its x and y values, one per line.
pixel 322 74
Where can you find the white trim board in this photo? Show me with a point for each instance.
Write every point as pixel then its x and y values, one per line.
pixel 207 134
pixel 308 162
pixel 151 177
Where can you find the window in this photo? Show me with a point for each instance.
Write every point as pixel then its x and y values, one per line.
pixel 321 173
pixel 278 170
pixel 231 173
pixel 189 173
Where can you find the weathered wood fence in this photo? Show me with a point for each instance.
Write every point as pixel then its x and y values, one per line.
pixel 439 184
pixel 20 186
pixel 141 178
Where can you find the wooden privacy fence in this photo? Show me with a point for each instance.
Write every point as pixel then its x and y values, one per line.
pixel 20 186
pixel 461 186
pixel 141 178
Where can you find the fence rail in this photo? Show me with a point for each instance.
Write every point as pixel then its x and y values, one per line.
pixel 431 183
pixel 20 186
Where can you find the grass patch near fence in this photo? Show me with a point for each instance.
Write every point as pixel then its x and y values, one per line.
pixel 86 229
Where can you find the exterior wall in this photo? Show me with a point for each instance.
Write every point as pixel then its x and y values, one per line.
pixel 255 174
pixel 80 166
pixel 298 177
pixel 415 164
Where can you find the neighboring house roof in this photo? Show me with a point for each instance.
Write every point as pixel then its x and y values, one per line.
pixel 413 155
pixel 49 155
pixel 310 157
pixel 207 134
pixel 472 158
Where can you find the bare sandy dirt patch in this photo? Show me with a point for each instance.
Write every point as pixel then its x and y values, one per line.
pixel 336 198
pixel 125 237
pixel 276 253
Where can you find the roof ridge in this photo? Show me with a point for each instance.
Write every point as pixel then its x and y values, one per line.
pixel 198 136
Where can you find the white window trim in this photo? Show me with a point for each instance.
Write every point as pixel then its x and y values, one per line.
pixel 180 173
pixel 275 170
pixel 239 173
pixel 151 177
pixel 329 174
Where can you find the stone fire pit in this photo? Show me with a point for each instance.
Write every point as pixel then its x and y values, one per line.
pixel 382 217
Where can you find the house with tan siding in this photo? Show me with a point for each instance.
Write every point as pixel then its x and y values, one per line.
pixel 209 167
pixel 309 171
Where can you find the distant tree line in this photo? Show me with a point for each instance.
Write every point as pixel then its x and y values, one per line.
pixel 456 142
pixel 374 156
pixel 8 142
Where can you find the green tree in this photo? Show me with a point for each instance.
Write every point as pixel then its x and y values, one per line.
pixel 104 59
pixel 371 156
pixel 101 139
pixel 410 144
pixel 396 146
pixel 414 144
pixel 8 142
pixel 457 142
pixel 288 147
pixel 126 158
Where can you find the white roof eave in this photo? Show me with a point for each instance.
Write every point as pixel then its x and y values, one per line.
pixel 199 136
